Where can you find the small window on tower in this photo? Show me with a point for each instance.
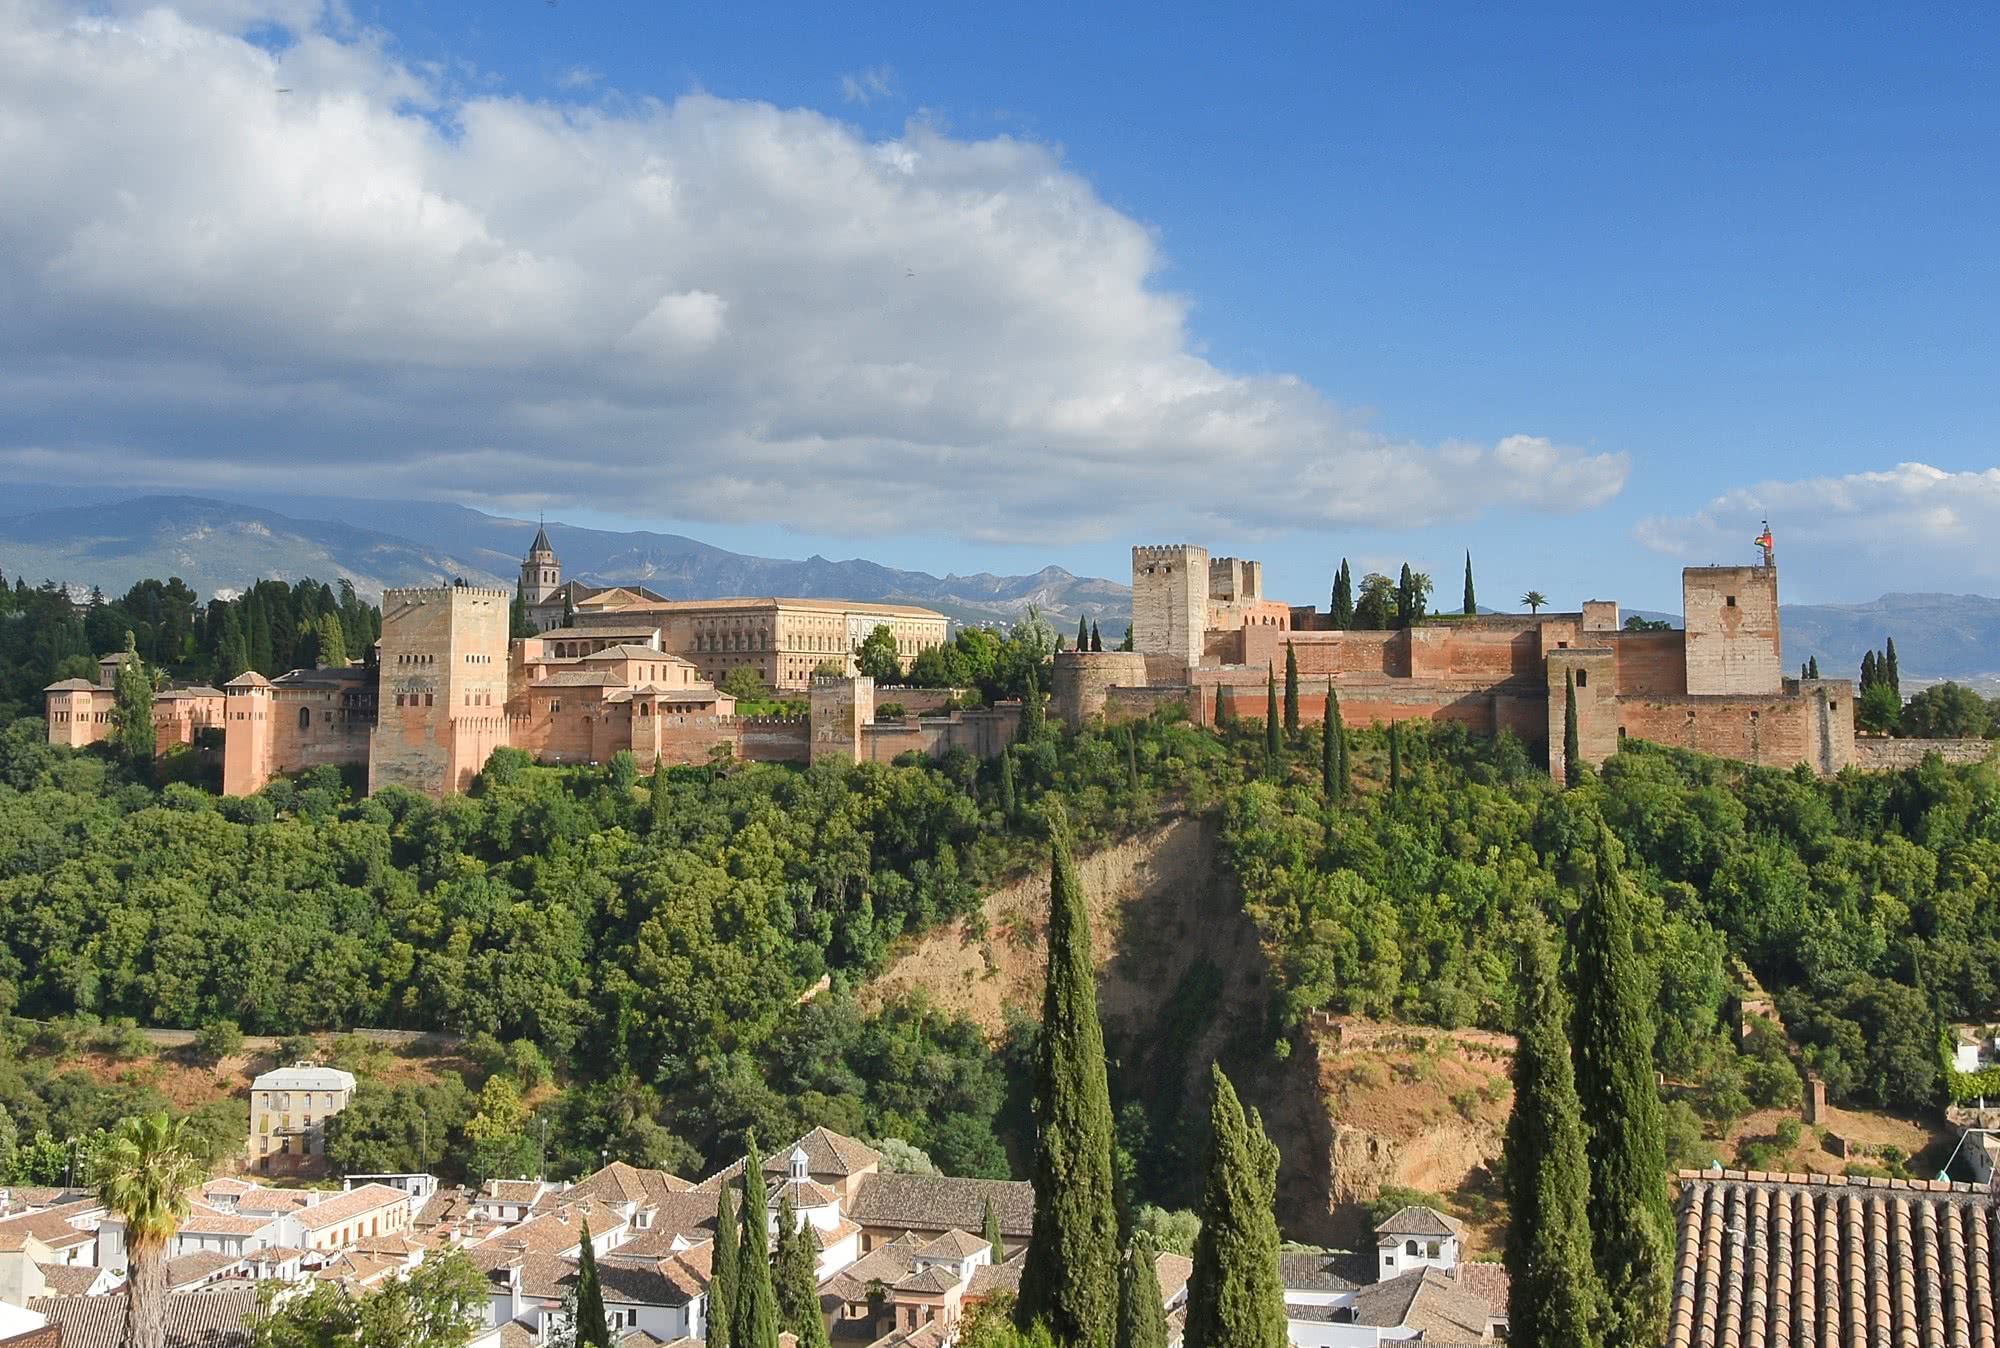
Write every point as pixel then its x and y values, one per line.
pixel 1582 677
pixel 1731 601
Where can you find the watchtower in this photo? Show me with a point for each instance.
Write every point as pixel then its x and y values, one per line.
pixel 442 704
pixel 1170 601
pixel 1731 616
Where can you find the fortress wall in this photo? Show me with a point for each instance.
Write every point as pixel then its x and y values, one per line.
pixel 1222 646
pixel 1774 731
pixel 787 740
pixel 1384 653
pixel 1083 679
pixel 1892 755
pixel 980 733
pixel 921 701
pixel 341 740
pixel 1597 706
pixel 1651 663
pixel 1136 704
pixel 1484 711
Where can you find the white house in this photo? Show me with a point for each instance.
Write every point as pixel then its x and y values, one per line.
pixel 1416 1238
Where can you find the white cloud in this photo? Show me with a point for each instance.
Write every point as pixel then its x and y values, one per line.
pixel 865 86
pixel 700 309
pixel 578 77
pixel 1861 533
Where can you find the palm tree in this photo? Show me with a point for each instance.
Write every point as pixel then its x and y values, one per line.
pixel 1534 599
pixel 145 1174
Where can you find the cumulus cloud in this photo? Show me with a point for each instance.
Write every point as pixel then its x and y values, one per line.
pixel 703 309
pixel 864 87
pixel 1902 527
pixel 578 77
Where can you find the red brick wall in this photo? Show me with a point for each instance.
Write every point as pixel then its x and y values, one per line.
pixel 1651 662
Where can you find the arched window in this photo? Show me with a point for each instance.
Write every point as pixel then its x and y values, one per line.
pixel 305 718
pixel 1409 1247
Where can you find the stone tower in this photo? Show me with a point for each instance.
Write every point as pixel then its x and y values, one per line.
pixel 541 573
pixel 1731 615
pixel 442 705
pixel 1170 601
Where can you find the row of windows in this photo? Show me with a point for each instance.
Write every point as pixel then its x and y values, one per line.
pixel 475 658
pixel 411 659
pixel 428 699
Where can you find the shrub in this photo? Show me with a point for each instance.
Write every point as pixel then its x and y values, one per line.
pixel 216 1040
pixel 297 1048
pixel 528 1064
pixel 1789 1134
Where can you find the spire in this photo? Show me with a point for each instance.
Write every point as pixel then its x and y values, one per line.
pixel 541 543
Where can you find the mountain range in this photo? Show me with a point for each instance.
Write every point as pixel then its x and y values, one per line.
pixel 218 546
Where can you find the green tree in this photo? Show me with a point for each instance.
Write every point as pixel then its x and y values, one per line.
pixel 1534 600
pixel 1131 738
pixel 1890 674
pixel 145 1175
pixel 133 708
pixel 216 1040
pixel 1572 735
pixel 1221 707
pixel 1008 798
pixel 1070 1278
pixel 1629 1215
pixel 569 605
pixel 440 1303
pixel 989 1229
pixel 878 659
pixel 332 642
pixel 263 656
pixel 1375 609
pixel 1869 674
pixel 1291 690
pixel 1406 599
pixel 1554 1297
pixel 1342 611
pixel 1235 1297
pixel 745 683
pixel 1812 668
pixel 1082 632
pixel 1096 637
pixel 1128 643
pixel 795 1275
pixel 1273 746
pixel 723 1273
pixel 593 1330
pixel 1031 708
pixel 1142 1318
pixel 1333 750
pixel 1878 708
pixel 1471 607
pixel 756 1323
pixel 1395 760
pixel 661 804
pixel 518 623
pixel 1946 711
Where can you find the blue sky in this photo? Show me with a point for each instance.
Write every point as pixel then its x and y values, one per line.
pixel 1752 253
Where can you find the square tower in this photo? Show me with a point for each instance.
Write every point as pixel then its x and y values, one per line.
pixel 442 705
pixel 1170 601
pixel 1731 616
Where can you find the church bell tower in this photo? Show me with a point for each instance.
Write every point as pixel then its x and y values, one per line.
pixel 541 573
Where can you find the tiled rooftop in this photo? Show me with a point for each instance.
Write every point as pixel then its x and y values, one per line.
pixel 1769 1258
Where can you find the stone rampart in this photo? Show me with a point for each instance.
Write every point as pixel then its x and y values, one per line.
pixel 1083 680
pixel 1893 755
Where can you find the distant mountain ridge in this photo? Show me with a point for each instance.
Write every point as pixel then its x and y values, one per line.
pixel 221 545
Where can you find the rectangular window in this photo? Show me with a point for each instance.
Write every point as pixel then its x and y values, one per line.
pixel 1731 601
pixel 1582 677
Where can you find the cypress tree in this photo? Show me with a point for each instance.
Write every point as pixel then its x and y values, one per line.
pixel 756 1324
pixel 990 1230
pixel 1132 758
pixel 1890 675
pixel 1235 1297
pixel 1031 708
pixel 1070 1277
pixel 1007 806
pixel 1221 707
pixel 1127 643
pixel 797 1274
pixel 1272 747
pixel 1629 1213
pixel 1867 671
pixel 1291 690
pixel 1343 598
pixel 1406 598
pixel 1082 632
pixel 569 606
pixel 1471 604
pixel 592 1329
pixel 1329 750
pixel 722 1273
pixel 1572 737
pixel 1096 637
pixel 1812 668
pixel 1395 761
pixel 261 658
pixel 133 702
pixel 1142 1319
pixel 662 798
pixel 1554 1298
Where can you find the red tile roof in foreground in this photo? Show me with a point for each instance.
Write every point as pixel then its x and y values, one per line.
pixel 1800 1259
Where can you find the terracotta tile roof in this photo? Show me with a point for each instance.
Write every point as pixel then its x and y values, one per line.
pixel 803 1193
pixel 51 1226
pixel 1768 1257
pixel 1316 1271
pixel 194 1319
pixel 827 1153
pixel 353 1203
pixel 272 1202
pixel 1488 1280
pixel 937 1203
pixel 887 1264
pixel 930 1280
pixel 1426 1300
pixel 24 1196
pixel 1420 1221
pixel 203 1220
pixel 192 1270
pixel 71 686
pixel 622 1183
pixel 993 1279
pixel 446 1205
pixel 70 1280
pixel 953 1244
pixel 48 1336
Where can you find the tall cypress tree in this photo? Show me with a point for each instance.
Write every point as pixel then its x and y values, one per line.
pixel 1630 1216
pixel 756 1324
pixel 722 1273
pixel 1142 1318
pixel 1343 598
pixel 1572 736
pixel 1329 749
pixel 1132 758
pixel 1395 760
pixel 1031 708
pixel 133 701
pixel 1554 1297
pixel 1812 668
pixel 1070 1277
pixel 1406 598
pixel 1471 605
pixel 1235 1296
pixel 1096 637
pixel 661 800
pixel 1291 690
pixel 1890 674
pixel 1272 746
pixel 1867 671
pixel 796 1276
pixel 261 658
pixel 989 1229
pixel 1007 802
pixel 1082 632
pixel 1221 707
pixel 592 1329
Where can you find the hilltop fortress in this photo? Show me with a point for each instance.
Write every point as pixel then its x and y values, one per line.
pixel 1203 631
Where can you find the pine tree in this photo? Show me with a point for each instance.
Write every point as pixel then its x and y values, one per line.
pixel 1096 637
pixel 1471 605
pixel 1406 598
pixel 1273 748
pixel 1329 749
pixel 756 1324
pixel 989 1229
pixel 1235 1297
pixel 1007 803
pixel 722 1274
pixel 133 706
pixel 1572 736
pixel 1554 1298
pixel 1142 1316
pixel 1629 1212
pixel 1342 612
pixel 1070 1277
pixel 1031 708
pixel 1890 675
pixel 1291 691
pixel 1082 632
pixel 592 1329
pixel 1395 760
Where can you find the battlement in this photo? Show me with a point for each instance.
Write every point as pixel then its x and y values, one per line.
pixel 1168 552
pixel 424 594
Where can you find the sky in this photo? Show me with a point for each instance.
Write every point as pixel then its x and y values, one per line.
pixel 1586 293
